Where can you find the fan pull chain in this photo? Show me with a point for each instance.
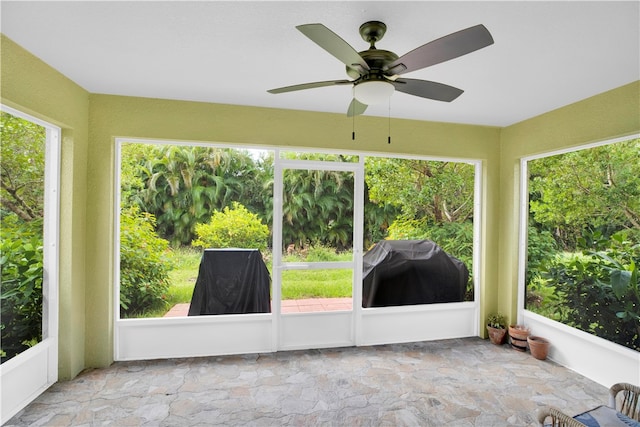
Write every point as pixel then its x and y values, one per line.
pixel 353 127
pixel 389 129
pixel 353 116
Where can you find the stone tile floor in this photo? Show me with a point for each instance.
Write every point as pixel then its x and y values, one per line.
pixel 457 382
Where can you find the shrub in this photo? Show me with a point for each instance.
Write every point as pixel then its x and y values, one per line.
pixel 144 268
pixel 455 238
pixel 22 273
pixel 541 246
pixel 600 291
pixel 232 228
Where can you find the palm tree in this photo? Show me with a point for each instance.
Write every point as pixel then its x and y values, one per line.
pixel 183 185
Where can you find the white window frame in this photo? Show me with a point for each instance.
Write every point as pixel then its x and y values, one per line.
pixel 30 373
pixel 571 347
pixel 138 339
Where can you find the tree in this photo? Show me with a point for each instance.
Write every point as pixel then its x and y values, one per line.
pixel 317 206
pixel 182 185
pixel 22 177
pixel 21 244
pixel 438 191
pixel 596 188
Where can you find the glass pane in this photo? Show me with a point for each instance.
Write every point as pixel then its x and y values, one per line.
pixel 317 208
pixel 409 199
pixel 316 290
pixel 584 240
pixel 22 195
pixel 177 202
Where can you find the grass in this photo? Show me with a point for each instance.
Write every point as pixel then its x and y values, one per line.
pixel 326 283
pixel 296 284
pixel 300 284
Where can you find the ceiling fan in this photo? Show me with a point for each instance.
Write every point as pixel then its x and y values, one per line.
pixel 376 72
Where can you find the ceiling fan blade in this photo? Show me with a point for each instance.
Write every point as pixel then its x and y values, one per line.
pixel 441 50
pixel 356 108
pixel 309 86
pixel 427 89
pixel 332 43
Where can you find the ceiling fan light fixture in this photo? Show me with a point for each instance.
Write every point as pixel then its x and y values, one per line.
pixel 373 92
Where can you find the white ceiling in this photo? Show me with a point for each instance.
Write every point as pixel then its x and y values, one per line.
pixel 546 54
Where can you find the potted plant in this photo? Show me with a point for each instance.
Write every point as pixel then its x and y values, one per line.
pixel 519 335
pixel 538 346
pixel 497 328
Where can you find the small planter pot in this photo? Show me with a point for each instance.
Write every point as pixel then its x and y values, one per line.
pixel 539 347
pixel 497 335
pixel 519 335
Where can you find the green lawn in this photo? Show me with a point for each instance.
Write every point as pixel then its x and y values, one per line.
pixel 300 284
pixel 296 284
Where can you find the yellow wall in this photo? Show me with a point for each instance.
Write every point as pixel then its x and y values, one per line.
pixel 114 116
pixel 31 86
pixel 91 122
pixel 612 114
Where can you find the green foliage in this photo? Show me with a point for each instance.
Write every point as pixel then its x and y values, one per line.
pixel 497 320
pixel 541 246
pixel 143 263
pixel 596 188
pixel 232 228
pixel 22 273
pixel 318 208
pixel 453 237
pixel 318 253
pixel 322 254
pixel 22 198
pixel 599 291
pixel 435 190
pixel 22 153
pixel 182 185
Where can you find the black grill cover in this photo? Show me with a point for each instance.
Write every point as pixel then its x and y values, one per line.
pixel 231 281
pixel 408 272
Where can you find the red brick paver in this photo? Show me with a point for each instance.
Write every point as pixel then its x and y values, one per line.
pixel 288 306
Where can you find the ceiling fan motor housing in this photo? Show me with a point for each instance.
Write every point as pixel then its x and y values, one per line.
pixel 376 59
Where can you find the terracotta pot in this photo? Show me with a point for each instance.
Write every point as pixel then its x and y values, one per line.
pixel 497 335
pixel 539 347
pixel 519 334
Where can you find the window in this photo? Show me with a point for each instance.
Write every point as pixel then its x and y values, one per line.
pixel 415 199
pixel 583 239
pixel 169 194
pixel 29 231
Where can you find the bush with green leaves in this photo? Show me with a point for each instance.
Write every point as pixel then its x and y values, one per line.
pixel 144 266
pixel 599 291
pixel 233 227
pixel 22 272
pixel 541 246
pixel 455 238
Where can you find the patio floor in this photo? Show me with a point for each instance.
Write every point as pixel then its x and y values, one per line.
pixel 457 382
pixel 288 306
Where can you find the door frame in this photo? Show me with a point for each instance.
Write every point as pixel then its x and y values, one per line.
pixel 330 329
